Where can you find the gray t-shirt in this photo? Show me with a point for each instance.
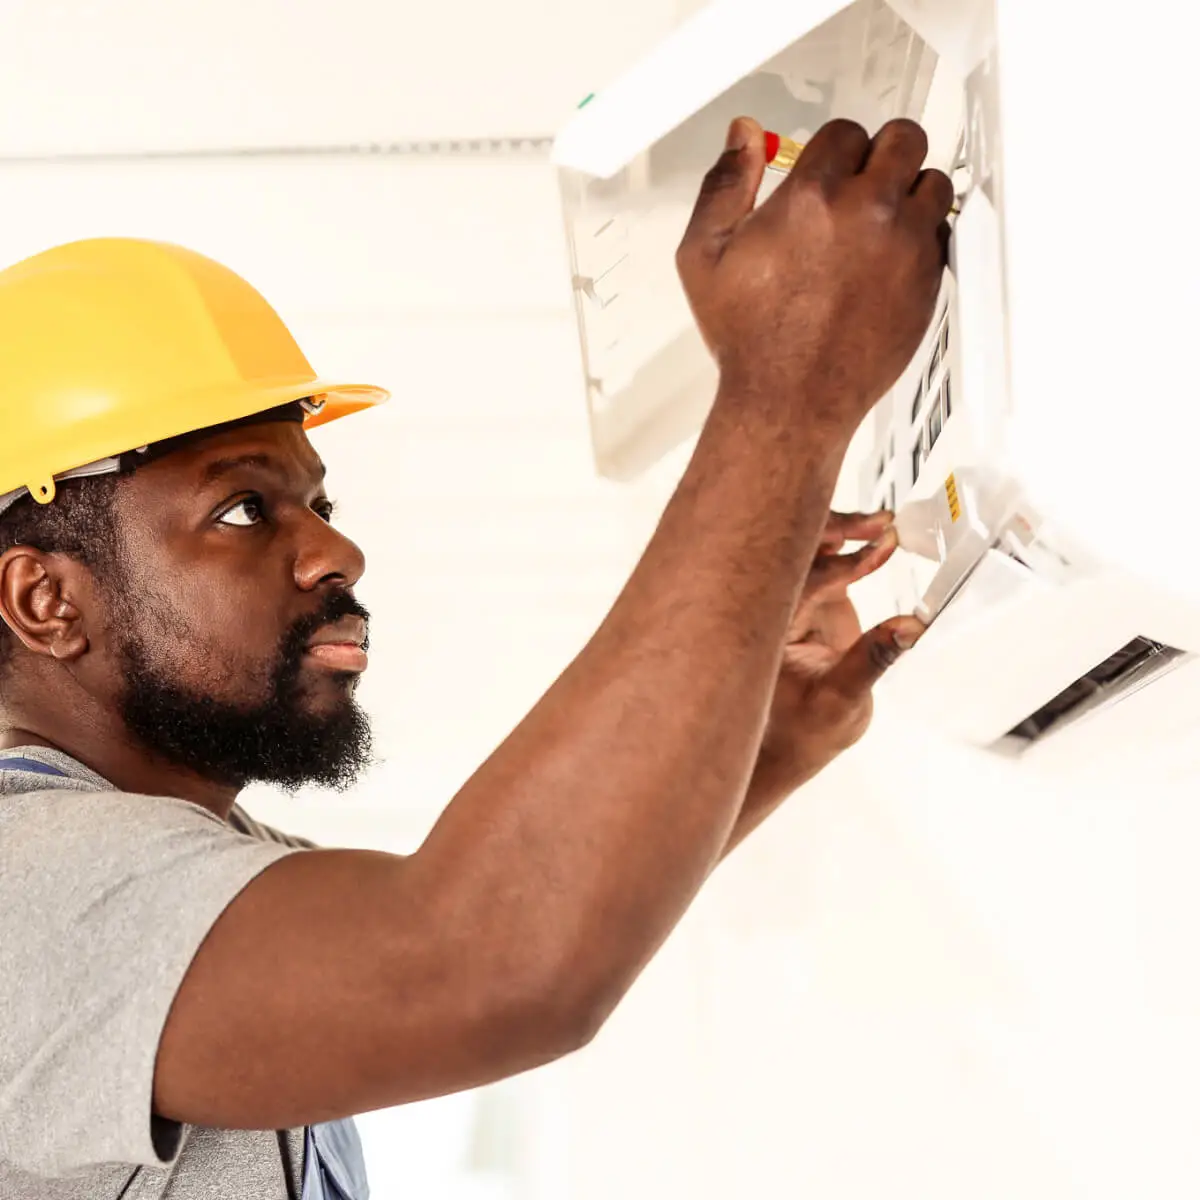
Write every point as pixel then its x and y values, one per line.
pixel 105 898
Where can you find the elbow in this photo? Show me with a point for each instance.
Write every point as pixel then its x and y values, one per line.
pixel 579 1025
pixel 580 985
pixel 575 1014
pixel 555 1018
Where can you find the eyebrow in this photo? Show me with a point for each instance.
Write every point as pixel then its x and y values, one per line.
pixel 224 466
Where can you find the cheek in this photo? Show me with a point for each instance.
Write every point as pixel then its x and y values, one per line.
pixel 212 641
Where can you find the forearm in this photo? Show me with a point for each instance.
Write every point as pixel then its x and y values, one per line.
pixel 767 791
pixel 580 842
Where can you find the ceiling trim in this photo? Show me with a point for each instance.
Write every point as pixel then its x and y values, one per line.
pixel 535 148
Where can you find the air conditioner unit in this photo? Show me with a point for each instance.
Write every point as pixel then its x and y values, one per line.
pixel 1041 449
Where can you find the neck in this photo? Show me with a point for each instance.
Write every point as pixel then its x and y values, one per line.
pixel 111 753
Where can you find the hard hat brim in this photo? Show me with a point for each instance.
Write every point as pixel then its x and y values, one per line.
pixel 205 410
pixel 343 399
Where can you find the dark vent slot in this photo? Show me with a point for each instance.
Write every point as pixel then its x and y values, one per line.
pixel 1134 663
pixel 935 427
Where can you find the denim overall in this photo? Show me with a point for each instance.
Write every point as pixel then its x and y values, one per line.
pixel 333 1158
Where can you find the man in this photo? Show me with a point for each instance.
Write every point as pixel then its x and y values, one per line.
pixel 179 619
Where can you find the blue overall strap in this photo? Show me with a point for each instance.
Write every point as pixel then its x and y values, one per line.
pixel 30 764
pixel 333 1163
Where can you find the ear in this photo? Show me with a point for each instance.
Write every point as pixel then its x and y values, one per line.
pixel 37 602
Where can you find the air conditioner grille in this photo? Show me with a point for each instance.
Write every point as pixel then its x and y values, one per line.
pixel 925 420
pixel 1131 667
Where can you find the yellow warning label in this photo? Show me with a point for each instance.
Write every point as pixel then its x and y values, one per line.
pixel 952 498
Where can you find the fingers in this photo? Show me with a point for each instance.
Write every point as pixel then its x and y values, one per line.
pixel 868 660
pixel 837 150
pixel 727 194
pixel 943 237
pixel 933 194
pixel 836 572
pixel 891 164
pixel 896 157
pixel 853 527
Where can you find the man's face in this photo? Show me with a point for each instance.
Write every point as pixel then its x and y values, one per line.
pixel 233 638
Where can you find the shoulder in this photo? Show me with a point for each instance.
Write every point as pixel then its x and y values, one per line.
pixel 66 816
pixel 73 843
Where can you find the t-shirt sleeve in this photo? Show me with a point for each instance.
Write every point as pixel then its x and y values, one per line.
pixel 104 900
pixel 243 822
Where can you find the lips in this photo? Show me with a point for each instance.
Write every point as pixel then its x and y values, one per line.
pixel 340 645
pixel 349 631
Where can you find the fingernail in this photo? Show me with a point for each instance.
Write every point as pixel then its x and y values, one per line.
pixel 886 540
pixel 738 135
pixel 906 639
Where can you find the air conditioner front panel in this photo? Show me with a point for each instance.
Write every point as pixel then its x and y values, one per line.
pixel 864 62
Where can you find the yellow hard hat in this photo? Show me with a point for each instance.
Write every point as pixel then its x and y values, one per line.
pixel 112 344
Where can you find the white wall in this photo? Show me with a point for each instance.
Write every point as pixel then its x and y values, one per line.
pixel 921 979
pixel 927 977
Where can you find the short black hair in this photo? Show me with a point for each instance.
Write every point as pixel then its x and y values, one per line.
pixel 81 521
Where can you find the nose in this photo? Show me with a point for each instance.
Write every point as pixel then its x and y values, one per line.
pixel 326 557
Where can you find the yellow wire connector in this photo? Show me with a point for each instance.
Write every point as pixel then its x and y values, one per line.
pixel 782 152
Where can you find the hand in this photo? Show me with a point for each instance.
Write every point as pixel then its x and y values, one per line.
pixel 832 280
pixel 822 703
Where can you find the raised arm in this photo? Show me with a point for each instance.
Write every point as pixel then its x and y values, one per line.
pixel 560 867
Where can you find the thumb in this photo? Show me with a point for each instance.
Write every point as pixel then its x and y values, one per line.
pixel 867 661
pixel 729 189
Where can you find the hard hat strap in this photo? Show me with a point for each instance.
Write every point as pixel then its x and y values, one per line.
pixel 105 466
pixel 143 454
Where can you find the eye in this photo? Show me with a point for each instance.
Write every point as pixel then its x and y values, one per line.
pixel 325 509
pixel 244 513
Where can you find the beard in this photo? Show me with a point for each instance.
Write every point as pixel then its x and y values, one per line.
pixel 279 740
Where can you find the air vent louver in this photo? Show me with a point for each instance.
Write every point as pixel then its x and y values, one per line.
pixel 1131 667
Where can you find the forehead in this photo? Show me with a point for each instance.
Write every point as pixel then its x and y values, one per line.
pixel 280 448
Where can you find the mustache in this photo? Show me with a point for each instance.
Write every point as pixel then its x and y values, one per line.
pixel 335 606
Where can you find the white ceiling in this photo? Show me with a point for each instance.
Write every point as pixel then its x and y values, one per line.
pixel 88 77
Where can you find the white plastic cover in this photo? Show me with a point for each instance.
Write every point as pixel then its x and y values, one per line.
pixel 632 161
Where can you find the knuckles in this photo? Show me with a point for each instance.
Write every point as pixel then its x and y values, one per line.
pixel 905 135
pixel 882 654
pixel 939 186
pixel 848 136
